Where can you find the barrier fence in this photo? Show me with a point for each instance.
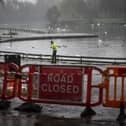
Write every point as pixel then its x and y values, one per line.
pixel 116 83
pixel 8 81
pixel 40 58
pixel 64 84
pixel 59 84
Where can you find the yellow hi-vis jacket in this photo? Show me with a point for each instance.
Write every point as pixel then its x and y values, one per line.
pixel 54 47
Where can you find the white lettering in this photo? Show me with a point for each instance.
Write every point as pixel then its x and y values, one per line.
pixel 62 88
pixel 58 78
pixel 44 87
pixel 49 88
pixel 55 88
pixel 50 78
pixel 69 89
pixel 70 78
pixel 63 79
pixel 75 89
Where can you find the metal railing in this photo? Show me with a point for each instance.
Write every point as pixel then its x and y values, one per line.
pixel 39 58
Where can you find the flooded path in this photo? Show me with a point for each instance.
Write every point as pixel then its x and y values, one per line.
pixel 58 115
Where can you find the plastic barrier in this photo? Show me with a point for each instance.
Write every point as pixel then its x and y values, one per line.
pixel 65 85
pixel 61 84
pixel 115 86
pixel 8 84
pixel 94 90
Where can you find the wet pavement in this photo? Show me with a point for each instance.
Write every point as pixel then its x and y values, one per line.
pixel 32 119
pixel 59 115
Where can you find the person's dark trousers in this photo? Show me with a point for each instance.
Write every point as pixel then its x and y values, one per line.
pixel 54 56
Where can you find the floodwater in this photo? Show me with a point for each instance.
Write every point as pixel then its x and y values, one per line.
pixel 58 115
pixel 74 47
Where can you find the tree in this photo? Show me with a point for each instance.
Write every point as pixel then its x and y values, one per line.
pixel 75 9
pixel 53 14
pixel 70 10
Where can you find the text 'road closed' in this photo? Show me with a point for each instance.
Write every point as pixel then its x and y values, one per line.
pixel 61 83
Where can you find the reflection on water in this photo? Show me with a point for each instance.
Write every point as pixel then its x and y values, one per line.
pixel 8 119
pixel 45 120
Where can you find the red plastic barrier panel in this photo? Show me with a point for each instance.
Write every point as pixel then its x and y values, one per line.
pixel 93 86
pixel 8 85
pixel 61 83
pixel 115 85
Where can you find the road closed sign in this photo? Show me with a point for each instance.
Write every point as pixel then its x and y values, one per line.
pixel 60 83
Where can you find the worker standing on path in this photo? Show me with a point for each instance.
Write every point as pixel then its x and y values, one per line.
pixel 54 51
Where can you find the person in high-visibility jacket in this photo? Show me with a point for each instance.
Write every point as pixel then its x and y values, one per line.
pixel 54 51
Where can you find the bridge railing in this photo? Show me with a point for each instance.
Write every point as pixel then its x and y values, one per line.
pixel 39 58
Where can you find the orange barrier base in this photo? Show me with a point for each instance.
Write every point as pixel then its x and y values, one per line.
pixel 113 104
